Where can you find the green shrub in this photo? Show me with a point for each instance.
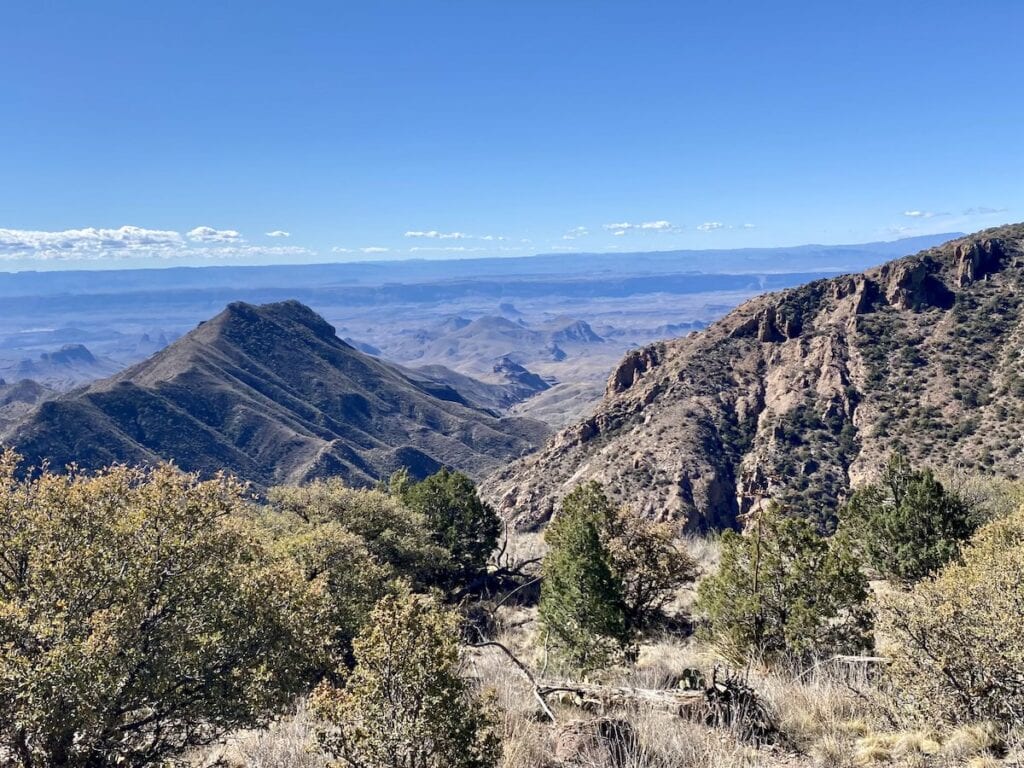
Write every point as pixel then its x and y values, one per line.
pixel 406 702
pixel 956 641
pixel 907 525
pixel 782 590
pixel 140 614
pixel 582 602
pixel 645 557
pixel 458 520
pixel 395 537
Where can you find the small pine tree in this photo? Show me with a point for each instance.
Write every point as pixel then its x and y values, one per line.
pixel 908 525
pixel 458 519
pixel 405 703
pixel 782 590
pixel 582 607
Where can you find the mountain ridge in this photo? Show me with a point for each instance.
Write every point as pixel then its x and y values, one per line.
pixel 271 394
pixel 797 394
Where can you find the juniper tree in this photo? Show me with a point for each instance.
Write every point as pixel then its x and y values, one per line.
pixel 582 606
pixel 782 590
pixel 907 525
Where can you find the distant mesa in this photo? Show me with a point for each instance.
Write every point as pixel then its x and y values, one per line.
pixel 362 346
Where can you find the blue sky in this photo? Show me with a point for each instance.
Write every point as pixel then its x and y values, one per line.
pixel 157 133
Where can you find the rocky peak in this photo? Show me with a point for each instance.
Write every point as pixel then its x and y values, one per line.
pixel 797 395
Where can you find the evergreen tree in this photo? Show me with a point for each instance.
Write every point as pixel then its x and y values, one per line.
pixel 459 521
pixel 782 590
pixel 582 606
pixel 908 525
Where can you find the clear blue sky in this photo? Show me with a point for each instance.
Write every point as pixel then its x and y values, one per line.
pixel 348 125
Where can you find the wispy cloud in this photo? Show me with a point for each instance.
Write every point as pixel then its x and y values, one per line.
pixel 128 242
pixel 983 210
pixel 916 214
pixel 374 249
pixel 433 234
pixel 710 226
pixel 445 249
pixel 211 235
pixel 87 243
pixel 279 233
pixel 575 233
pixel 623 227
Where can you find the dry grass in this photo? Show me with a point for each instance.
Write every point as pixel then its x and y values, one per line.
pixel 831 716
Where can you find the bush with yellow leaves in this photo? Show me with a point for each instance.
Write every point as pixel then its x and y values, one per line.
pixel 406 702
pixel 141 614
pixel 957 640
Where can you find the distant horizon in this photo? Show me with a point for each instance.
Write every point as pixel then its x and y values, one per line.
pixel 130 264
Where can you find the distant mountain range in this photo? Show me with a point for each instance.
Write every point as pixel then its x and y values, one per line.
pixel 271 394
pixel 799 393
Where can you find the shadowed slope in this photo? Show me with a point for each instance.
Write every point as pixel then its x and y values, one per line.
pixel 270 393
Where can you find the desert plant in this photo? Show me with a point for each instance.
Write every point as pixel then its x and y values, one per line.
pixel 338 561
pixel 396 537
pixel 458 520
pixel 782 590
pixel 957 640
pixel 649 561
pixel 582 606
pixel 406 703
pixel 907 525
pixel 140 615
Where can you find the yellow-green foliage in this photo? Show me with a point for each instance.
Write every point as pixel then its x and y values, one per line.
pixel 406 703
pixel 140 613
pixel 396 537
pixel 957 641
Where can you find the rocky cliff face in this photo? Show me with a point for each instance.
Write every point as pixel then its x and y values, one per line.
pixel 795 395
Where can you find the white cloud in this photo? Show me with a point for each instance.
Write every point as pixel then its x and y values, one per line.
pixel 749 226
pixel 248 251
pixel 128 242
pixel 564 248
pixel 658 226
pixel 211 235
pixel 339 249
pixel 983 210
pixel 710 226
pixel 279 233
pixel 433 234
pixel 576 232
pixel 87 243
pixel 374 249
pixel 918 214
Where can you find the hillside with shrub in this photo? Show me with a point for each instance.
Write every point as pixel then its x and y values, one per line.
pixel 798 395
